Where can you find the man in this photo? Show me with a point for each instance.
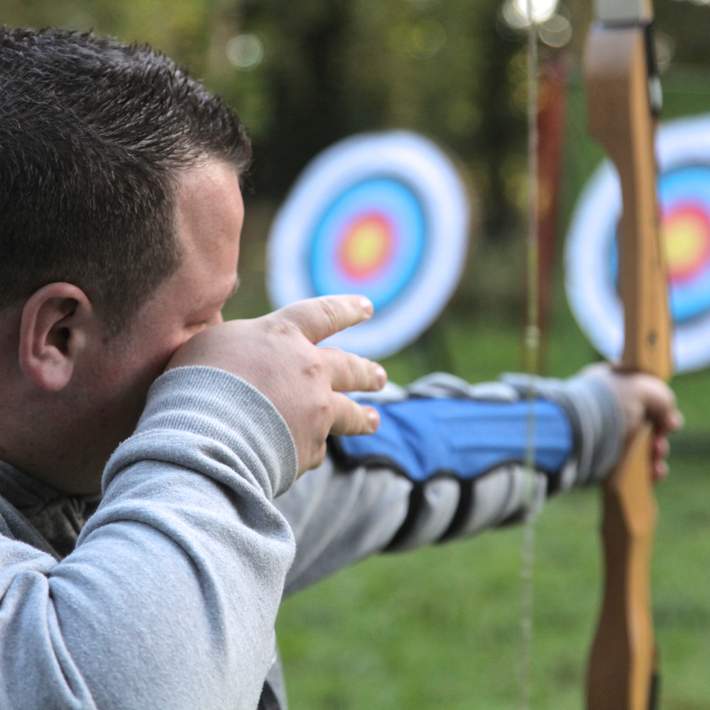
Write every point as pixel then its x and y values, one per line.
pixel 120 221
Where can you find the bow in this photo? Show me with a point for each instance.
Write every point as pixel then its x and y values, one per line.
pixel 623 96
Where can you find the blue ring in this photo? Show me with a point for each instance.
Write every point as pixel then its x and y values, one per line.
pixel 400 203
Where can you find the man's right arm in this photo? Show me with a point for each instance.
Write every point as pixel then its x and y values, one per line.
pixel 170 596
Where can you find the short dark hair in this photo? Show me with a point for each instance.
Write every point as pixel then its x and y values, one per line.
pixel 93 134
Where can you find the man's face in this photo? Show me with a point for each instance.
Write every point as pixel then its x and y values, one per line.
pixel 209 217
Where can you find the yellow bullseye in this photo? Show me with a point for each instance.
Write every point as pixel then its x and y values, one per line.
pixel 367 247
pixel 685 240
pixel 366 244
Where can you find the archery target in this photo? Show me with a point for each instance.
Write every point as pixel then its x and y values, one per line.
pixel 683 149
pixel 383 215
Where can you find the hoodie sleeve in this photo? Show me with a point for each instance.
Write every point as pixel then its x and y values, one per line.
pixel 449 461
pixel 170 596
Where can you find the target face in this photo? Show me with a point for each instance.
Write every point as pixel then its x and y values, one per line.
pixel 383 215
pixel 683 149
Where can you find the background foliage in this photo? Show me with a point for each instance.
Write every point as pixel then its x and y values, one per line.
pixel 439 628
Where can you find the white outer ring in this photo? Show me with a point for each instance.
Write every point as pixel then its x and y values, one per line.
pixel 422 165
pixel 595 304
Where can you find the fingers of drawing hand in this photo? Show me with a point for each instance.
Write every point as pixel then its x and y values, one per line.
pixel 319 318
pixel 351 373
pixel 352 418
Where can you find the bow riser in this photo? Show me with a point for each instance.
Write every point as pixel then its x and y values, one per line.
pixel 622 659
pixel 622 665
pixel 619 118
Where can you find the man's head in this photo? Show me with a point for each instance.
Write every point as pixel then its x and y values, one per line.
pixel 120 214
pixel 93 135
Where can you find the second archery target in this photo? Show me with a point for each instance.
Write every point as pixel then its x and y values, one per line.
pixel 683 149
pixel 384 215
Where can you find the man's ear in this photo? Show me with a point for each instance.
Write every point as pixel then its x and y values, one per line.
pixel 55 326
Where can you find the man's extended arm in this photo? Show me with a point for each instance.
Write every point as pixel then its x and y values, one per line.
pixel 402 488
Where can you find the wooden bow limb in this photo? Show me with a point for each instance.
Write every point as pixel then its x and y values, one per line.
pixel 620 80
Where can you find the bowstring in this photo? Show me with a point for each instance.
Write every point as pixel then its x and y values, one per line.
pixel 531 357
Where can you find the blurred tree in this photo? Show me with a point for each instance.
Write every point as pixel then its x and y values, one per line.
pixel 305 75
pixel 332 68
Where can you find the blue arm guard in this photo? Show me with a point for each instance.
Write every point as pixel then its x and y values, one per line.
pixel 463 438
